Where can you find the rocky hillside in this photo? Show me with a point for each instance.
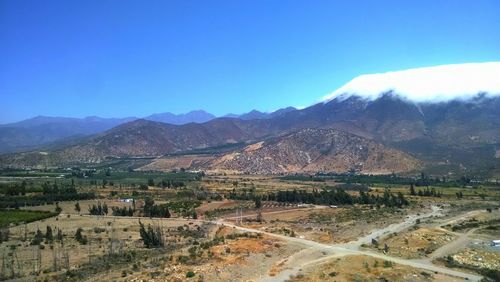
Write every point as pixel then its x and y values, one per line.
pixel 315 150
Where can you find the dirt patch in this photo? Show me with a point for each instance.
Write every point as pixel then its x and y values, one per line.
pixel 417 243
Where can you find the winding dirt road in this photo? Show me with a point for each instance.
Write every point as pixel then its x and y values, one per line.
pixel 318 252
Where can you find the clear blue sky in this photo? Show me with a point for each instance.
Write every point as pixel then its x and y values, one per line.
pixel 133 58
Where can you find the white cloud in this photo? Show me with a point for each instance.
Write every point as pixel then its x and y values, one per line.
pixel 436 84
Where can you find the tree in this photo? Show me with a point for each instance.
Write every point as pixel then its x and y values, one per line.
pixel 258 202
pixel 151 237
pixel 49 237
pixel 79 237
pixel 38 238
pixel 4 235
pixel 151 182
pixel 259 216
pixel 22 189
pixel 58 208
pixel 412 190
pixel 59 236
pixel 77 207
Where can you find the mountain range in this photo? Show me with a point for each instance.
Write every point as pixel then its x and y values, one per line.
pixel 444 137
pixel 355 129
pixel 42 131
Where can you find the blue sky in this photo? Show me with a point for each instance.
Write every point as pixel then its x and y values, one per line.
pixel 133 58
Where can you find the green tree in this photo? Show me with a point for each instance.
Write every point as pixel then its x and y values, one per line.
pixel 151 182
pixel 38 238
pixel 151 237
pixel 49 237
pixel 58 208
pixel 412 190
pixel 79 236
pixel 258 202
pixel 59 236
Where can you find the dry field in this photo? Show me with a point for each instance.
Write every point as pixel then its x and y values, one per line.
pixel 363 268
pixel 417 243
pixel 328 225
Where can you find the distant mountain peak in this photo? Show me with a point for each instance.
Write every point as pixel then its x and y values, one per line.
pixel 197 116
pixel 428 84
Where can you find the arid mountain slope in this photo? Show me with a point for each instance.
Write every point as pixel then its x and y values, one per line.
pixel 315 150
pixel 140 138
pixel 449 135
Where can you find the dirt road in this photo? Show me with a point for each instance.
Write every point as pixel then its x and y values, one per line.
pixel 393 228
pixel 319 252
pixel 454 246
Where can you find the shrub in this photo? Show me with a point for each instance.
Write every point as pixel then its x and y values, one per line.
pixel 387 263
pixel 190 274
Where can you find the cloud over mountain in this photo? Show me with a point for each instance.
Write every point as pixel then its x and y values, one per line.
pixel 428 84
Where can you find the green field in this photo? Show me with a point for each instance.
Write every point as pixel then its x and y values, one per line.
pixel 17 216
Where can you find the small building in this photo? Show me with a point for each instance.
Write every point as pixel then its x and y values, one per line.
pixel 495 243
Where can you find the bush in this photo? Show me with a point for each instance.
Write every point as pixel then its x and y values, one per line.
pixel 79 237
pixel 98 230
pixel 190 274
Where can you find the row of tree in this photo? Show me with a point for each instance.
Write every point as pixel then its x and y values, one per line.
pixel 16 189
pixel 166 183
pixel 153 210
pixel 48 236
pixel 328 197
pixel 98 209
pixel 55 189
pixel 124 211
pixel 425 192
